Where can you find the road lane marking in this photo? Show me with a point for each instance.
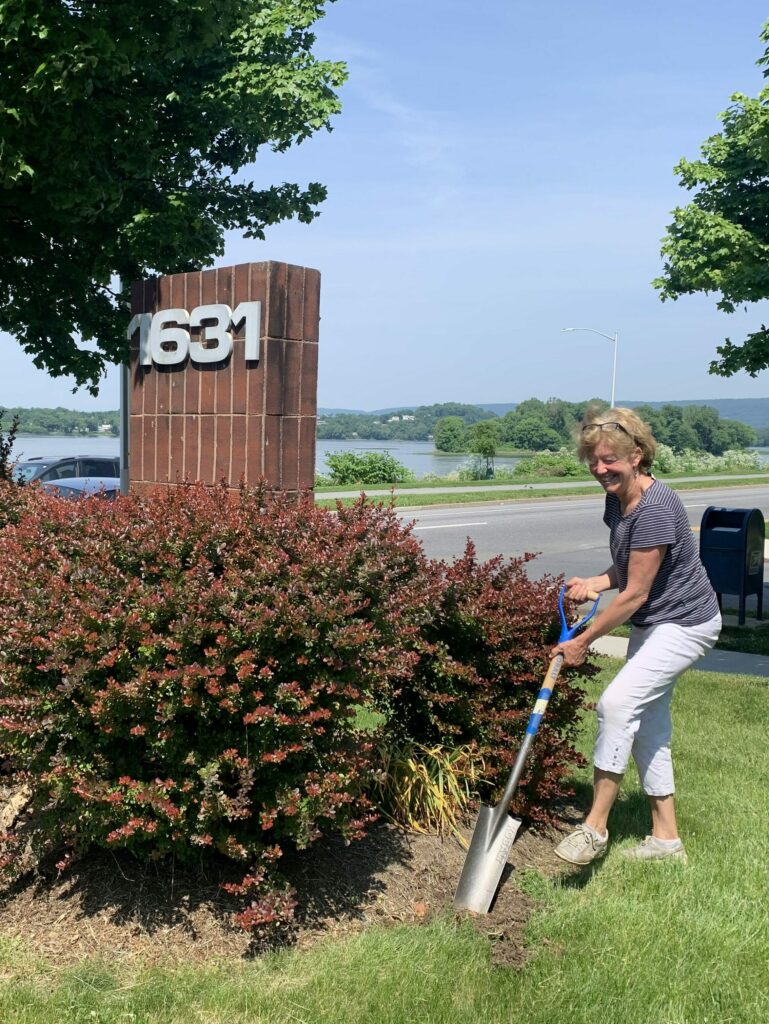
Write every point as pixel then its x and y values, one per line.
pixel 449 526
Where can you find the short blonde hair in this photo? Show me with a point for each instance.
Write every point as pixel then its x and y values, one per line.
pixel 633 433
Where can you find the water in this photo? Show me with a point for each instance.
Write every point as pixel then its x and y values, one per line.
pixel 28 446
pixel 418 456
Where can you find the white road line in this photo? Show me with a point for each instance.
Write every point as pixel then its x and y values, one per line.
pixel 449 526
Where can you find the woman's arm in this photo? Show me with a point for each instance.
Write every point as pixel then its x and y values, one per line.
pixel 643 566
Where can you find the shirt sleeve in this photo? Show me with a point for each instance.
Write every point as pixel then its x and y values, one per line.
pixel 653 525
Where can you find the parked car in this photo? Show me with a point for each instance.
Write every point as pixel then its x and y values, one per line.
pixel 84 487
pixel 44 468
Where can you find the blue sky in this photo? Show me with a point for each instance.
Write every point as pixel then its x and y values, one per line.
pixel 500 171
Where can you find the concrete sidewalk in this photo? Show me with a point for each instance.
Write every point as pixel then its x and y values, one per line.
pixel 728 662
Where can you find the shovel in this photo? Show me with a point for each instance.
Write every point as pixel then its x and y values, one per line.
pixel 495 830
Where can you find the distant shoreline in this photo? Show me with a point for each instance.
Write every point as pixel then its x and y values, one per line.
pixel 63 433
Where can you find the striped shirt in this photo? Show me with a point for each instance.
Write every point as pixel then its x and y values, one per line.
pixel 681 591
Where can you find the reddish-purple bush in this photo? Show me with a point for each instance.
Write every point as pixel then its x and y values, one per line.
pixel 181 672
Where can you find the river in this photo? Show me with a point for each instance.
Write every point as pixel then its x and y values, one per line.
pixel 418 456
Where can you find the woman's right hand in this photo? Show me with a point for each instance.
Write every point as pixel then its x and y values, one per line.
pixel 578 588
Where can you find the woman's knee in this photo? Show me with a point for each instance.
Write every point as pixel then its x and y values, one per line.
pixel 613 711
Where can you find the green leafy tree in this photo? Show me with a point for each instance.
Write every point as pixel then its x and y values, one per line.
pixel 450 434
pixel 7 441
pixel 123 127
pixel 484 441
pixel 719 242
pixel 532 433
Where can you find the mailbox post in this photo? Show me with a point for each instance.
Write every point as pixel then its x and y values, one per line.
pixel 732 551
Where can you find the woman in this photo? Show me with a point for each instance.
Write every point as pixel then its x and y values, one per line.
pixel 665 593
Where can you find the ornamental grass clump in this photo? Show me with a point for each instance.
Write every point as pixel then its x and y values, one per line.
pixel 183 674
pixel 428 789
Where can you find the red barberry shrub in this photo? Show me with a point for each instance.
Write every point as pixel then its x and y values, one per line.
pixel 182 672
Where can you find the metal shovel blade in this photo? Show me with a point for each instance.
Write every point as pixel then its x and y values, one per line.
pixel 493 837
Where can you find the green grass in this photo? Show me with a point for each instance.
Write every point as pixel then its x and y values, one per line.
pixel 501 492
pixel 749 640
pixel 586 478
pixel 623 943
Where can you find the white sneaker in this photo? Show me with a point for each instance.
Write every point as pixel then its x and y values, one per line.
pixel 653 849
pixel 582 846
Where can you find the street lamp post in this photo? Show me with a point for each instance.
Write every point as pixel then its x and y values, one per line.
pixel 613 338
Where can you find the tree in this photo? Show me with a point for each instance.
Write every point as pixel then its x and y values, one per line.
pixel 719 242
pixel 123 127
pixel 450 434
pixel 484 441
pixel 532 433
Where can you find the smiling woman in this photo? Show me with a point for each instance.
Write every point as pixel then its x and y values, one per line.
pixel 665 593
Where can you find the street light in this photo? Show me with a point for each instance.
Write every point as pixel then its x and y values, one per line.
pixel 613 338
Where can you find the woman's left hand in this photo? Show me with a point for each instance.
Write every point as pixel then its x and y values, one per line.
pixel 574 651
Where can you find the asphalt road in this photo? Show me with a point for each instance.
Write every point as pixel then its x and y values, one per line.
pixel 568 533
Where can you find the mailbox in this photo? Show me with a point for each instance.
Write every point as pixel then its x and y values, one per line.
pixel 732 551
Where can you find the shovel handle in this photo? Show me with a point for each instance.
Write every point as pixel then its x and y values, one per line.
pixel 544 695
pixel 543 698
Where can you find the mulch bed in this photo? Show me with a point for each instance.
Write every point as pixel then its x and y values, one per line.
pixel 112 906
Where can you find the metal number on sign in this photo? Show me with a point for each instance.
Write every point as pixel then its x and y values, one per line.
pixel 166 337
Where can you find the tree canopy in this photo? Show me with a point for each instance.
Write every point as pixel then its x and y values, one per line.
pixel 719 242
pixel 123 126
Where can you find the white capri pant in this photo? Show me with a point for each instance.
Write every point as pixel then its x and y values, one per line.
pixel 634 711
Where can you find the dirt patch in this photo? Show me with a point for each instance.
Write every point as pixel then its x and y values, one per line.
pixel 112 906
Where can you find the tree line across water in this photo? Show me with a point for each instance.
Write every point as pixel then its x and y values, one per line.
pixel 63 421
pixel 535 425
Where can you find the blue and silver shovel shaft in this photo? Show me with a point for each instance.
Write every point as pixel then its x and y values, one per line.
pixel 495 830
pixel 543 697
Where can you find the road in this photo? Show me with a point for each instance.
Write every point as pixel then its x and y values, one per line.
pixel 569 532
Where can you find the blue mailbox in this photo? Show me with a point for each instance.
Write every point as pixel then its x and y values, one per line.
pixel 732 551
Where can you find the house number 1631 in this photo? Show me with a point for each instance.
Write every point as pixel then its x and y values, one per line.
pixel 165 338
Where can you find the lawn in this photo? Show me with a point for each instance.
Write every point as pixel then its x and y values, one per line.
pixel 527 489
pixel 621 943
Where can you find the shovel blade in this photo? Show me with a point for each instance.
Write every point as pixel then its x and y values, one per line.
pixel 490 846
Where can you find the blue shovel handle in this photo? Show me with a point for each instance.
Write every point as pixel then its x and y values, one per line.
pixel 568 632
pixel 546 692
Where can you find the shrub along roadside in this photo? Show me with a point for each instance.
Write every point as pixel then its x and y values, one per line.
pixel 183 673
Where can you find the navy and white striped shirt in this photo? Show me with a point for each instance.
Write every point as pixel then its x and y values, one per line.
pixel 681 591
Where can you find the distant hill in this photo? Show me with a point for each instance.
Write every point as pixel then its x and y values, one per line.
pixel 753 411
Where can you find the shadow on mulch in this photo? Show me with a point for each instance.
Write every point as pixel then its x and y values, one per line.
pixel 113 906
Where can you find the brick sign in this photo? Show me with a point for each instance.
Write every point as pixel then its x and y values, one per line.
pixel 224 367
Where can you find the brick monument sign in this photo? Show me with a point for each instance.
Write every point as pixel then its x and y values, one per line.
pixel 224 368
